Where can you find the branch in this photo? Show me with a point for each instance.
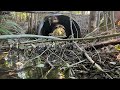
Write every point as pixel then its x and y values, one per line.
pixel 26 36
pixel 75 39
pixel 89 58
pixel 102 44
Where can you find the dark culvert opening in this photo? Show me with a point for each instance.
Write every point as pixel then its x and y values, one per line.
pixel 47 25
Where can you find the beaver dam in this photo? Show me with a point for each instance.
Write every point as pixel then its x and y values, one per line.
pixel 40 53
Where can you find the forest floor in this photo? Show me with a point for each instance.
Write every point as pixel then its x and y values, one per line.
pixel 58 60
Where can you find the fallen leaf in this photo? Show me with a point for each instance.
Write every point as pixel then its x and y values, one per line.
pixel 118 23
pixel 72 77
pixel 3 55
pixel 113 63
pixel 21 46
pixel 118 57
pixel 117 47
pixel 40 65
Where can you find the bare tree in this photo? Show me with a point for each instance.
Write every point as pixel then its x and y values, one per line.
pixel 92 20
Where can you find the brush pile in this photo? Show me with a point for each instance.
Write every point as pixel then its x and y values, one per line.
pixel 58 60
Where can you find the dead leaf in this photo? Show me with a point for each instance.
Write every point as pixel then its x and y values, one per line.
pixel 59 32
pixel 118 23
pixel 118 57
pixel 113 63
pixel 3 55
pixel 117 47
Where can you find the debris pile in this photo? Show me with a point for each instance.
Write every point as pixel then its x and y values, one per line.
pixel 62 60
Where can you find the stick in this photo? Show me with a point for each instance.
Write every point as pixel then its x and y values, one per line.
pixel 26 36
pixel 74 39
pixel 102 44
pixel 89 58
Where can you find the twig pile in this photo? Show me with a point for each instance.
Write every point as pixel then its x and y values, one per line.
pixel 49 59
pixel 71 59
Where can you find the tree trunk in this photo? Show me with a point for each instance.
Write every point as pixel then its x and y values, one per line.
pixel 3 13
pixel 92 20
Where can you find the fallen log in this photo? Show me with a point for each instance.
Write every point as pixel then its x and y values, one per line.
pixel 102 44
